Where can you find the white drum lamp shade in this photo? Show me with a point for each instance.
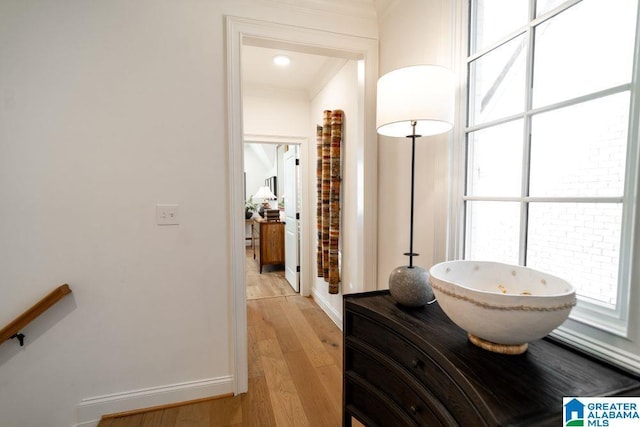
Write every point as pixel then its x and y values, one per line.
pixel 420 93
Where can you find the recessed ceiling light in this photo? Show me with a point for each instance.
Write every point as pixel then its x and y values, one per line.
pixel 281 60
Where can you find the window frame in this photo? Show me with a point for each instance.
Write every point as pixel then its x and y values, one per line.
pixel 610 334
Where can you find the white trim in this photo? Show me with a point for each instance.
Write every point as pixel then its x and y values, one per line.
pixel 307 225
pixel 334 315
pixel 599 316
pixel 455 226
pixel 236 229
pixel 91 409
pixel 366 147
pixel 274 139
pixel 598 348
pixel 536 199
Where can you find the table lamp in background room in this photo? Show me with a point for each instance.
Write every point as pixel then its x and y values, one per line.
pixel 265 194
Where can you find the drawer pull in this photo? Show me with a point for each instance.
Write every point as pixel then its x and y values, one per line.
pixel 413 409
pixel 415 363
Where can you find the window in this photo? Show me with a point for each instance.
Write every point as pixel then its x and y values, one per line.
pixel 550 157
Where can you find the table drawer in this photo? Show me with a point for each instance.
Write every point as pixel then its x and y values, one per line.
pixel 385 375
pixel 418 365
pixel 370 406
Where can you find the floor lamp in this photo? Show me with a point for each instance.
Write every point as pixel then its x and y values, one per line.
pixel 413 102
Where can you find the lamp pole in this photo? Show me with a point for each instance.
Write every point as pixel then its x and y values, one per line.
pixel 413 137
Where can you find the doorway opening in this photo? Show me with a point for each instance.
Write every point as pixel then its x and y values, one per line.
pixel 273 245
pixel 363 254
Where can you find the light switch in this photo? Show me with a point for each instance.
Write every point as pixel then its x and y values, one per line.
pixel 167 215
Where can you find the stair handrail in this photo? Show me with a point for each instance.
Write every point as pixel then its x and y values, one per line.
pixel 12 330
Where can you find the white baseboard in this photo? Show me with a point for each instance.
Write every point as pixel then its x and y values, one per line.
pixel 91 409
pixel 333 314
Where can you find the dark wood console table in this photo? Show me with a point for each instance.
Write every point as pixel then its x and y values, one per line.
pixel 414 367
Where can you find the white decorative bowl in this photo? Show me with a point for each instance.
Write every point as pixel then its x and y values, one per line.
pixel 502 307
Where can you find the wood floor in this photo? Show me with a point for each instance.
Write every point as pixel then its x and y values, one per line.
pixel 295 367
pixel 270 283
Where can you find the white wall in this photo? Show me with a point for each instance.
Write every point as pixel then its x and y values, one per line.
pixel 259 164
pixel 275 113
pixel 108 108
pixel 339 94
pixel 413 32
pixel 280 168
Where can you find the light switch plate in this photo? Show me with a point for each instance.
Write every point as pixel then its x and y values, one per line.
pixel 167 215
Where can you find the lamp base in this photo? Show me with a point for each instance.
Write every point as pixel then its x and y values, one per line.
pixel 410 286
pixel 265 205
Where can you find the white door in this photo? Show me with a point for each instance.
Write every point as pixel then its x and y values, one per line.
pixel 291 251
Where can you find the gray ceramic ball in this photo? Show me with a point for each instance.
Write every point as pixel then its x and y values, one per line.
pixel 410 286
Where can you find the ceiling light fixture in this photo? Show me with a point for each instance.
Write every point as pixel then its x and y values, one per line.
pixel 281 60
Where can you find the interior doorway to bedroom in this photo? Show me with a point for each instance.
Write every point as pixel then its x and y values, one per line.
pixel 272 239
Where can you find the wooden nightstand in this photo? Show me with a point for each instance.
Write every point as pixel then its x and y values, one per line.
pixel 267 242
